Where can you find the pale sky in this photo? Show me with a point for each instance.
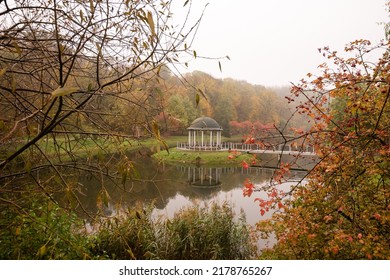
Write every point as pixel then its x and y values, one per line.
pixel 275 42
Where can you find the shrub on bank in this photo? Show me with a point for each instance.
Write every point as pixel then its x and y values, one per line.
pixel 47 231
pixel 41 230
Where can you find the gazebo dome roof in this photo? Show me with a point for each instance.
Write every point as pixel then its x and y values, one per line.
pixel 204 123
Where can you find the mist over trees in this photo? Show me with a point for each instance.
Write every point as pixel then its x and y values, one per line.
pixel 230 102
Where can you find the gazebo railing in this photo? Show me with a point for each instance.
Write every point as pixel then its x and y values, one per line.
pixel 226 146
pixel 221 147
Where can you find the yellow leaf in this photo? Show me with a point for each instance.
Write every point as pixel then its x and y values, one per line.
pixel 131 253
pixel 17 231
pixel 165 145
pixel 81 15
pixel 62 91
pixel 151 23
pixel 156 129
pixel 42 251
pixel 91 6
pixel 2 71
pixel 17 48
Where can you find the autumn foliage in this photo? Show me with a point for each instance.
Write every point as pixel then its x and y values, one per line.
pixel 342 210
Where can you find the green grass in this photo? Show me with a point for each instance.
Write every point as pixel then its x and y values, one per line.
pixel 201 157
pixel 60 148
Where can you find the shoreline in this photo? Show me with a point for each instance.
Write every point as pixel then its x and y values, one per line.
pixel 188 157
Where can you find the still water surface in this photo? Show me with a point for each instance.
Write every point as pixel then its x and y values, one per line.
pixel 171 188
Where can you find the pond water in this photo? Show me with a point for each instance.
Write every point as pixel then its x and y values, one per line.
pixel 172 187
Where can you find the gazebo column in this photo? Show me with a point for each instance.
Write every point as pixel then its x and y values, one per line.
pixel 189 138
pixel 194 144
pixel 211 138
pixel 202 137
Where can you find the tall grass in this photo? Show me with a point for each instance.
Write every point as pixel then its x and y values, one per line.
pixel 193 233
pixel 47 231
pixel 201 233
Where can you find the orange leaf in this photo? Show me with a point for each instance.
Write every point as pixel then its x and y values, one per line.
pixel 245 164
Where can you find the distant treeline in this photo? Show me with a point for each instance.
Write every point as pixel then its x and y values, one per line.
pixel 228 101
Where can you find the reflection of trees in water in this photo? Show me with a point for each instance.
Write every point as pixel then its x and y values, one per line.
pixel 160 183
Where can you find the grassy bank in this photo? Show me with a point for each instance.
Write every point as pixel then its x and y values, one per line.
pixel 205 158
pixel 71 148
pixel 89 146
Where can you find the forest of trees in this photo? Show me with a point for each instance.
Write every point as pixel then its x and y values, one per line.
pixel 230 102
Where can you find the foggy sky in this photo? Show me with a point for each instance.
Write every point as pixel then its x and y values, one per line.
pixel 276 42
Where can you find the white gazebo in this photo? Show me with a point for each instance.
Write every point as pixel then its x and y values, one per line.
pixel 204 133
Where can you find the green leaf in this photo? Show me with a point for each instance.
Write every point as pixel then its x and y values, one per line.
pixel 103 197
pixel 194 53
pixel 197 99
pixel 220 66
pixel 136 174
pixel 186 2
pixel 62 91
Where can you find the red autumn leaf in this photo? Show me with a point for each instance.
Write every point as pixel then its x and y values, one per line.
pixel 245 165
pixel 274 193
pixel 248 188
pixel 377 216
pixel 247 192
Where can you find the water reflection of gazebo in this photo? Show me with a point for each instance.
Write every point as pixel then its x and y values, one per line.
pixel 204 177
pixel 204 133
